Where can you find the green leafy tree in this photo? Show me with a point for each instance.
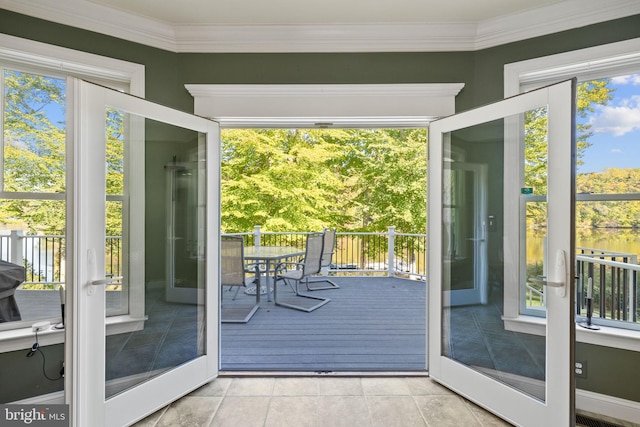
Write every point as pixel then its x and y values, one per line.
pixel 114 138
pixel 282 179
pixel 609 214
pixel 34 151
pixel 391 180
pixel 34 154
pixel 306 179
pixel 589 95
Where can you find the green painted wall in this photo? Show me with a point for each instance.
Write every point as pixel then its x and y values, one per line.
pixel 610 370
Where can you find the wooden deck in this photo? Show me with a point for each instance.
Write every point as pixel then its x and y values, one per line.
pixel 371 324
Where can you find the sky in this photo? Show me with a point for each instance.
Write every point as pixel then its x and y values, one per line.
pixel 616 127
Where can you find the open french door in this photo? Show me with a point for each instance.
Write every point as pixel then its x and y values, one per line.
pixel 525 378
pixel 132 349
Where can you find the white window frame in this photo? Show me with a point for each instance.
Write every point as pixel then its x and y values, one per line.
pixel 586 64
pixel 41 58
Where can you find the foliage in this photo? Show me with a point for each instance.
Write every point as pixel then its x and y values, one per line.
pixel 589 94
pixel 34 154
pixel 114 140
pixel 609 213
pixel 306 179
pixel 279 178
pixel 34 151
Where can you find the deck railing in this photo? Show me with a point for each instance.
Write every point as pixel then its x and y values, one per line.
pixel 360 253
pixel 43 257
pixel 611 278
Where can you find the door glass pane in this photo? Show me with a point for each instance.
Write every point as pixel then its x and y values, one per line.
pixel 474 333
pixel 167 300
pixel 534 216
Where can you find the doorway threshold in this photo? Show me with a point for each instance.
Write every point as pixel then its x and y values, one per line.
pixel 283 374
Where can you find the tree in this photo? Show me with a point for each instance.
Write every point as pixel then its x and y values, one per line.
pixel 34 150
pixel 306 179
pixel 391 180
pixel 609 214
pixel 589 94
pixel 280 178
pixel 35 158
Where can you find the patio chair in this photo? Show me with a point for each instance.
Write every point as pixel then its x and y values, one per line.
pixel 295 272
pixel 327 257
pixel 234 274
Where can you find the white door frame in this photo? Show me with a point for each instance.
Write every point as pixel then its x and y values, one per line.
pixel 85 334
pixel 558 408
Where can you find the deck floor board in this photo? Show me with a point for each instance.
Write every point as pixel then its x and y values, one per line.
pixel 372 323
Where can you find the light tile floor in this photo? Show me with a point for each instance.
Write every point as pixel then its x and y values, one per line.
pixel 320 402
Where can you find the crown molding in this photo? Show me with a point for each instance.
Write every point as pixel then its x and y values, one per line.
pixel 545 20
pixel 98 18
pixel 420 37
pixel 327 38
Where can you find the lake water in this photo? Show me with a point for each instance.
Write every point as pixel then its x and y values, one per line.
pixel 624 240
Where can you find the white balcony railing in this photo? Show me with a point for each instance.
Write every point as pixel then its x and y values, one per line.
pixel 360 253
pixel 614 275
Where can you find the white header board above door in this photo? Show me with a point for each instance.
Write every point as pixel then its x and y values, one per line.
pixel 338 105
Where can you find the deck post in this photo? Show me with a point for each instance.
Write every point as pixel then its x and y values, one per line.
pixel 631 298
pixel 391 256
pixel 17 247
pixel 256 235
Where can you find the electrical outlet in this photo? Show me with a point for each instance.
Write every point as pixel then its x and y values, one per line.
pixel 581 369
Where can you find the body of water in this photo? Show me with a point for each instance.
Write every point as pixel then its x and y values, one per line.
pixel 625 240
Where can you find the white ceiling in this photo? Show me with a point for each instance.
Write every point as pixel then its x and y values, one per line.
pixel 325 25
pixel 286 12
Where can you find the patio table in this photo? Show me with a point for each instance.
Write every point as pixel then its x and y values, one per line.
pixel 271 255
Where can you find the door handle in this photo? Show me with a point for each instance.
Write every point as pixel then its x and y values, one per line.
pixel 559 282
pixel 542 280
pixel 92 271
pixel 106 281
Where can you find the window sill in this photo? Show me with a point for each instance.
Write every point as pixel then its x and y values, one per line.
pixel 23 338
pixel 606 336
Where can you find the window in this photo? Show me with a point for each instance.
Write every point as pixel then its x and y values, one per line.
pixel 607 184
pixel 33 172
pixel 32 194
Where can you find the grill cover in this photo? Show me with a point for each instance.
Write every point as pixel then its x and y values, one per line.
pixel 11 276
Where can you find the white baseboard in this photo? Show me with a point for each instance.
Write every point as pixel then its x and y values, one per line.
pixel 55 398
pixel 616 409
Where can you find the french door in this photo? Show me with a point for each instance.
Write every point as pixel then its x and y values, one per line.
pixel 132 348
pixel 527 144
